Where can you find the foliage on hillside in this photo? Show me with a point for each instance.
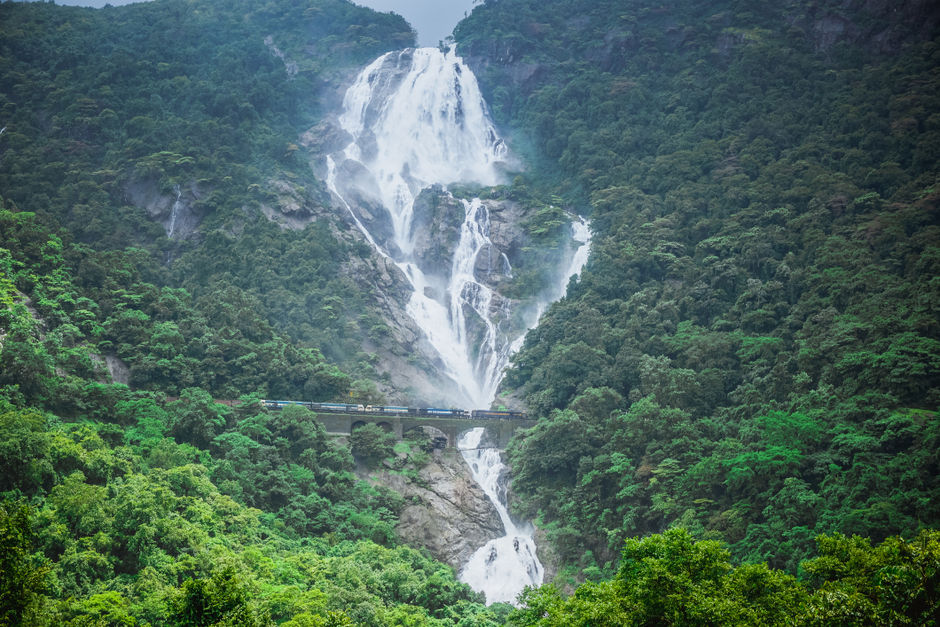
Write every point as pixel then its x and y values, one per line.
pixel 111 302
pixel 671 579
pixel 101 108
pixel 753 350
pixel 125 507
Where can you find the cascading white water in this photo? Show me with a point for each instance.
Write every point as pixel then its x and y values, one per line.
pixel 504 566
pixel 581 233
pixel 417 118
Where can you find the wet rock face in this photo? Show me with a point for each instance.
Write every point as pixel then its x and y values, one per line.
pixel 436 226
pixel 356 184
pixel 447 512
pixel 325 138
pixel 494 265
pixel 178 210
pixel 119 371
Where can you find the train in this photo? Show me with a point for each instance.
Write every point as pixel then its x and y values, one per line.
pixel 393 410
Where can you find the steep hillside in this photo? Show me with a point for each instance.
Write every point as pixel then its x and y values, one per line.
pixel 120 506
pixel 753 351
pixel 174 127
pixel 752 354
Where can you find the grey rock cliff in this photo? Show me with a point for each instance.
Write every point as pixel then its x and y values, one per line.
pixel 447 512
pixel 178 210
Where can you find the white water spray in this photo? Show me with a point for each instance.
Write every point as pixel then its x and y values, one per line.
pixel 502 567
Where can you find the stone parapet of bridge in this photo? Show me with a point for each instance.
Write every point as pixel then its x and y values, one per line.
pixel 499 430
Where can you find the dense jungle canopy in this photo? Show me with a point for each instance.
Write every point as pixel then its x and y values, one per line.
pixel 737 401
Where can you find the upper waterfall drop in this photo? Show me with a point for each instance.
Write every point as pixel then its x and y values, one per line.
pixel 417 118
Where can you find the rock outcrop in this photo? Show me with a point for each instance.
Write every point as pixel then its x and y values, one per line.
pixel 178 210
pixel 446 511
pixel 436 228
pixel 325 138
pixel 291 208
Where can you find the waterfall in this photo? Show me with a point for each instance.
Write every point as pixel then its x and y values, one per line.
pixel 174 212
pixel 504 566
pixel 416 119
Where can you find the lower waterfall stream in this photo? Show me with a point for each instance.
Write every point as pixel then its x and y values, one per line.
pixel 502 567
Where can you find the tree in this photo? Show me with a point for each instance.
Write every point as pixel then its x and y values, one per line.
pixel 23 577
pixel 371 443
pixel 671 579
pixel 24 451
pixel 219 600
pixel 197 418
pixel 896 582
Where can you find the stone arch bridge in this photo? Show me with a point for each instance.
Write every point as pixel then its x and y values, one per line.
pixel 499 430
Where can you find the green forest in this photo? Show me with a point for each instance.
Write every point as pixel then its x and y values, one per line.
pixel 737 402
pixel 191 98
pixel 753 351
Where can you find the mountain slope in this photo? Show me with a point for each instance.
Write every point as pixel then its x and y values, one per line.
pixel 753 351
pixel 173 127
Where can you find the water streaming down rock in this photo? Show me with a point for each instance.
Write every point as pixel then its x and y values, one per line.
pixel 174 212
pixel 504 566
pixel 581 233
pixel 417 118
